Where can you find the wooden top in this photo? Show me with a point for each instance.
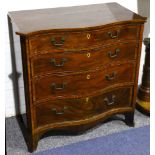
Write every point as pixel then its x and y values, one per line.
pixel 76 17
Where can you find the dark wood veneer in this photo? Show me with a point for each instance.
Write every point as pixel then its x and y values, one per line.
pixel 59 111
pixel 83 39
pixel 72 18
pixel 80 65
pixel 98 57
pixel 82 83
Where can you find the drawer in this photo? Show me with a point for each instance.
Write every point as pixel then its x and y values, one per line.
pixel 60 111
pixel 60 41
pixel 73 85
pixel 83 60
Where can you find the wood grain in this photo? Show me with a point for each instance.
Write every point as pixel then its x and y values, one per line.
pixel 79 40
pixel 80 109
pixel 80 66
pixel 89 59
pixel 81 84
pixel 72 18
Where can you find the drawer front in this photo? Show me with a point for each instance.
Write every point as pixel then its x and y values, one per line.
pixel 83 60
pixel 64 86
pixel 61 41
pixel 79 109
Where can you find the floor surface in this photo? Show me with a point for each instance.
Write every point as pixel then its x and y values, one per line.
pixel 16 145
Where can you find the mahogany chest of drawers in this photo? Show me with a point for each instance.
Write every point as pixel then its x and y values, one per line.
pixel 80 65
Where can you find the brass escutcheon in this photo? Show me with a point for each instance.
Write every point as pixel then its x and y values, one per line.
pixel 88 55
pixel 87 99
pixel 88 77
pixel 88 36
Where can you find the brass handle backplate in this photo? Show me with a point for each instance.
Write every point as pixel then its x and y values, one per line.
pixel 111 76
pixel 112 35
pixel 55 86
pixel 56 112
pixel 57 43
pixel 115 54
pixel 110 101
pixel 63 60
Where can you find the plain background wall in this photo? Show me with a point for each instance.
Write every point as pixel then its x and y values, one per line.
pixel 37 4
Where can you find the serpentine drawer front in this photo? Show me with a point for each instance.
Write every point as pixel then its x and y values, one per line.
pixel 82 39
pixel 80 65
pixel 54 86
pixel 61 111
pixel 89 59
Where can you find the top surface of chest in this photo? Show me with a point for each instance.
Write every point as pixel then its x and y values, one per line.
pixel 75 17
